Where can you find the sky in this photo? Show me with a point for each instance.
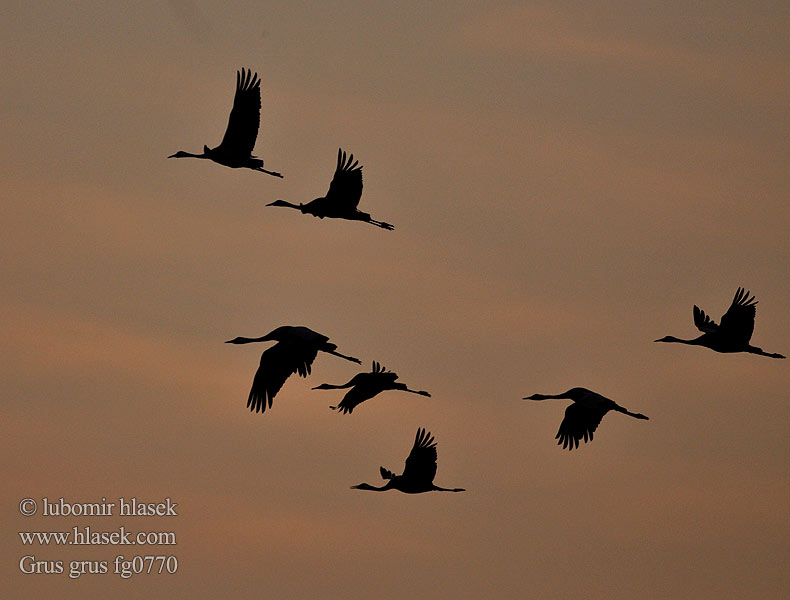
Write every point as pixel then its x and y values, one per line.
pixel 566 180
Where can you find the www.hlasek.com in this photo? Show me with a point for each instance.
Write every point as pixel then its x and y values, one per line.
pixel 87 535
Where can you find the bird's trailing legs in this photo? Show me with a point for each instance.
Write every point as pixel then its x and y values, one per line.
pixel 381 224
pixel 405 389
pixel 761 352
pixel 275 173
pixel 336 353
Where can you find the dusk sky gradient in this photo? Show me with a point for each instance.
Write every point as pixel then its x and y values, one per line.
pixel 566 180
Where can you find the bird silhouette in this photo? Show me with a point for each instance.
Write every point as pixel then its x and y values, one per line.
pixel 583 416
pixel 342 198
pixel 735 331
pixel 418 473
pixel 366 385
pixel 295 351
pixel 236 147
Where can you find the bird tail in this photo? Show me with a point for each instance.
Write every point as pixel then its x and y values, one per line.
pixel 385 474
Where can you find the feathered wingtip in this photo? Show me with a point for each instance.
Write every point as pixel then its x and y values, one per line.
pixel 379 368
pixel 702 321
pixel 741 298
pixel 424 439
pixel 343 164
pixel 385 473
pixel 246 79
pixel 257 401
pixel 568 441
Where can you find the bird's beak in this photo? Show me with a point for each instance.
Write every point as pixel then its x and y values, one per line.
pixel 172 156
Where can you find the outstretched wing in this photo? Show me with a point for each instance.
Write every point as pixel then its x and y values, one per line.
pixel 355 396
pixel 738 322
pixel 346 187
pixel 421 463
pixel 278 363
pixel 245 117
pixel 366 386
pixel 703 322
pixel 580 422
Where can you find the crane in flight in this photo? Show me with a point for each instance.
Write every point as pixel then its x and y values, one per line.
pixel 365 386
pixel 236 147
pixel 418 474
pixel 583 416
pixel 734 332
pixel 343 197
pixel 294 352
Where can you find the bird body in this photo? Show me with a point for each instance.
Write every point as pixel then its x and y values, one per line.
pixel 733 334
pixel 583 416
pixel 294 352
pixel 343 197
pixel 418 473
pixel 235 150
pixel 365 386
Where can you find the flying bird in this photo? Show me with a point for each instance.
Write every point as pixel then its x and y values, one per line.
pixel 366 385
pixel 236 147
pixel 343 196
pixel 583 416
pixel 735 331
pixel 294 352
pixel 418 473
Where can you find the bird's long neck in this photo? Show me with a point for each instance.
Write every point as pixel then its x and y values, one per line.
pixel 286 204
pixel 672 339
pixel 539 397
pixel 182 154
pixel 329 386
pixel 761 352
pixel 370 488
pixel 245 340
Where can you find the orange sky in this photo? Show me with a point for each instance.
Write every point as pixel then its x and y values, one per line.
pixel 566 182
